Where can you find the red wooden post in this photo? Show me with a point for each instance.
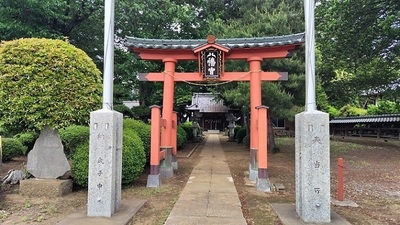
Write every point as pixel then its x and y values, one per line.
pixel 155 140
pixel 262 142
pixel 168 100
pixel 255 98
pixel 340 191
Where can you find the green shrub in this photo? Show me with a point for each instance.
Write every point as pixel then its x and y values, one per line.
pixel 142 113
pixel 80 164
pixel 133 160
pixel 11 148
pixel 73 136
pixel 181 137
pixel 236 129
pixel 143 130
pixel 133 157
pixel 125 110
pixel 241 134
pixel 246 141
pixel 188 129
pixel 46 82
pixel 27 139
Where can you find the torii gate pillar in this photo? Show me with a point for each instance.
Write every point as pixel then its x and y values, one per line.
pixel 255 100
pixel 168 103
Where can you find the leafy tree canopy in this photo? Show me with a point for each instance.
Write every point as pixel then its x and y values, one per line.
pixel 46 82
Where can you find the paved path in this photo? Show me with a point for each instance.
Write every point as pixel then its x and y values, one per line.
pixel 209 196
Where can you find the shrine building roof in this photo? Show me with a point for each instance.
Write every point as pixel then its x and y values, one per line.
pixel 232 43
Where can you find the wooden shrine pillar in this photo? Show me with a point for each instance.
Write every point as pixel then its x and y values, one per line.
pixel 255 98
pixel 262 153
pixel 168 102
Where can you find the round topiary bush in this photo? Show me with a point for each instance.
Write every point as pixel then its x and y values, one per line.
pixel 73 136
pixel 80 164
pixel 46 82
pixel 133 157
pixel 241 134
pixel 11 148
pixel 27 139
pixel 143 130
pixel 181 137
pixel 133 160
pixel 187 126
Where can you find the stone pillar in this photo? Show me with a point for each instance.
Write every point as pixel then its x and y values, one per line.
pixel 174 140
pixel 262 153
pixel 105 163
pixel 154 180
pixel 313 167
pixel 255 100
pixel 166 170
pixel 231 119
pixel 253 165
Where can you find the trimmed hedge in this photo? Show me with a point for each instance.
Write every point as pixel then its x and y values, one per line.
pixel 143 130
pixel 73 136
pixel 125 110
pixel 11 148
pixel 187 126
pixel 27 139
pixel 181 137
pixel 133 160
pixel 241 134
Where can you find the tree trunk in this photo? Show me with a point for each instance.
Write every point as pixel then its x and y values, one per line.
pixel 271 134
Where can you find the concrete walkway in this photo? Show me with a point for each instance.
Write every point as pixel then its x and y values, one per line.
pixel 209 196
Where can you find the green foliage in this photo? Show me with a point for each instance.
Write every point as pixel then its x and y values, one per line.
pixel 187 126
pixel 46 82
pixel 141 113
pixel 349 110
pixel 143 130
pixel 11 148
pixel 73 136
pixel 181 137
pixel 384 107
pixel 246 140
pixel 133 160
pixel 27 139
pixel 236 129
pixel 241 134
pixel 80 164
pixel 133 157
pixel 125 110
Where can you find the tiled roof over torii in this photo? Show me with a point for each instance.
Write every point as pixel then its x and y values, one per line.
pixel 235 48
pixel 232 43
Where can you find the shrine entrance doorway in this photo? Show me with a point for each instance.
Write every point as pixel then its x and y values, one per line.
pixel 211 55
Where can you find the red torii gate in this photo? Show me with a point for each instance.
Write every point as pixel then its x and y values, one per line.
pixel 211 56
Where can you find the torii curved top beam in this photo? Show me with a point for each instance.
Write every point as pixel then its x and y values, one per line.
pixel 240 48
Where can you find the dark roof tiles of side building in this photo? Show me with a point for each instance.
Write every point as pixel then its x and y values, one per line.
pixel 368 119
pixel 144 43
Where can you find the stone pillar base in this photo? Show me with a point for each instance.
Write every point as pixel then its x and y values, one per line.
pixel 166 170
pixel 253 167
pixel 45 187
pixel 153 181
pixel 174 163
pixel 263 185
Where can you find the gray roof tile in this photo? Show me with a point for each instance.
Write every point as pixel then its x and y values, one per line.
pixel 145 43
pixel 367 119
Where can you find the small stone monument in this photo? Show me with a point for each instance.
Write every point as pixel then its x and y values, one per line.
pixel 47 159
pixel 47 162
pixel 231 119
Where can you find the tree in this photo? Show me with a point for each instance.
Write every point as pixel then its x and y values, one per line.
pixel 359 46
pixel 46 82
